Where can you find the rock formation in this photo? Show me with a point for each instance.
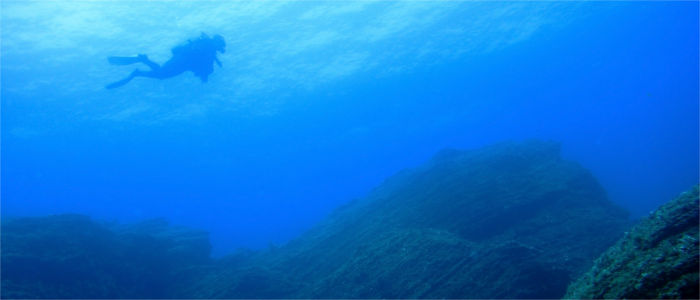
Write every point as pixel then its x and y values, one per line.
pixel 513 220
pixel 657 259
pixel 72 256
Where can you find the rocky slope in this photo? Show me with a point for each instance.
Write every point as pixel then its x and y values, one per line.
pixel 513 220
pixel 657 259
pixel 72 256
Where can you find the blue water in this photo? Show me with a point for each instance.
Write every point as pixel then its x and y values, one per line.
pixel 319 102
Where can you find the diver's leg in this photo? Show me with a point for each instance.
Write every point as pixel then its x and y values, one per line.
pixel 148 74
pixel 124 60
pixel 124 81
pixel 162 72
pixel 127 60
pixel 151 64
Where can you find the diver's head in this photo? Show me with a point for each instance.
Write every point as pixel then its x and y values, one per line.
pixel 219 43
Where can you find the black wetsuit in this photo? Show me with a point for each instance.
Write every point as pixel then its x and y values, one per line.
pixel 197 55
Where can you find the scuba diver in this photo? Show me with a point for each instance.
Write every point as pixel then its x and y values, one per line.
pixel 197 55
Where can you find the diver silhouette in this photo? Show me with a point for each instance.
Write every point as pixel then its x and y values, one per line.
pixel 197 55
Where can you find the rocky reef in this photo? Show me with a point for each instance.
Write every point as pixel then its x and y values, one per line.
pixel 657 259
pixel 512 220
pixel 72 256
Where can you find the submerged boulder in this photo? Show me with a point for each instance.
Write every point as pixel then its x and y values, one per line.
pixel 513 220
pixel 73 256
pixel 54 257
pixel 657 259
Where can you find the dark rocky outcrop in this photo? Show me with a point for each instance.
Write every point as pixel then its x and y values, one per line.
pixel 72 256
pixel 512 220
pixel 657 259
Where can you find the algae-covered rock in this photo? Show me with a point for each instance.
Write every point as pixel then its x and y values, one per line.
pixel 72 256
pixel 658 258
pixel 54 257
pixel 513 220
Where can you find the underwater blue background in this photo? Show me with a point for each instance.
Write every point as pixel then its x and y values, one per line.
pixel 318 102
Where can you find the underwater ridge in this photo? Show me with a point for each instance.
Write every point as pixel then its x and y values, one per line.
pixel 511 220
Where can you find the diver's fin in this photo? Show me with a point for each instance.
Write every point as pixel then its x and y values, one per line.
pixel 124 60
pixel 119 83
